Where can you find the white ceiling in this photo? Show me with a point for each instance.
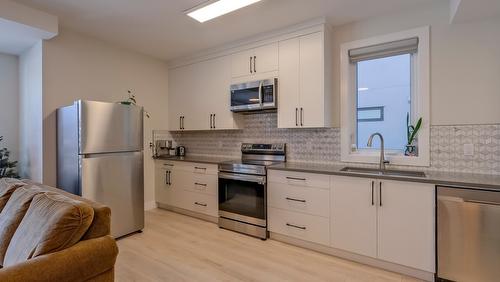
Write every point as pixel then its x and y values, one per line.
pixel 159 27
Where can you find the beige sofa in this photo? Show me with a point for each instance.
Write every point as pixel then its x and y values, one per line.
pixel 47 234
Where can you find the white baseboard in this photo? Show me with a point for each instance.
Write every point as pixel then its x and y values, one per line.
pixel 150 205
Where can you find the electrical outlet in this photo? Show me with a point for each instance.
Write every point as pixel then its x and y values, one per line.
pixel 468 149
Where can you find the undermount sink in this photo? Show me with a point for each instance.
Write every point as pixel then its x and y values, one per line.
pixel 388 172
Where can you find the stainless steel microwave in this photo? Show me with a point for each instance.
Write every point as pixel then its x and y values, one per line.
pixel 254 96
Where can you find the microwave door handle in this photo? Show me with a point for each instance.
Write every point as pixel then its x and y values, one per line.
pixel 261 84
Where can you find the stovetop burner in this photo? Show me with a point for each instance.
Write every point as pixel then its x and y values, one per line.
pixel 255 158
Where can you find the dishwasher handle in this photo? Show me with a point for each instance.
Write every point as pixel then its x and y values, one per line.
pixel 489 203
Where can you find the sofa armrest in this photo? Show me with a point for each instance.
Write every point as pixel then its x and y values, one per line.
pixel 84 260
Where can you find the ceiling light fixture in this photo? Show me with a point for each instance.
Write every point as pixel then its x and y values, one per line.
pixel 213 9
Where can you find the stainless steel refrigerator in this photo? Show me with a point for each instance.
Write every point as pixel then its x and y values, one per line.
pixel 100 157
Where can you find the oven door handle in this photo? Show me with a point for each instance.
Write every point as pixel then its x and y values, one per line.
pixel 243 177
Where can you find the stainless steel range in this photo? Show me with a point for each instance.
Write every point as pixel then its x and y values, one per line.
pixel 243 188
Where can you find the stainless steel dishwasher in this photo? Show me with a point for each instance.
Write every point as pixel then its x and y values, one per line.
pixel 468 234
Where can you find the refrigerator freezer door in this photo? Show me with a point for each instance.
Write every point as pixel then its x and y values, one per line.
pixel 116 180
pixel 109 127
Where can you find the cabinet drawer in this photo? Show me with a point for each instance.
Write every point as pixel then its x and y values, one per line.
pixel 302 226
pixel 204 169
pixel 293 178
pixel 201 203
pixel 202 183
pixel 309 200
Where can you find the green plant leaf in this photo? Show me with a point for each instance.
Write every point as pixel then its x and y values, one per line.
pixel 416 128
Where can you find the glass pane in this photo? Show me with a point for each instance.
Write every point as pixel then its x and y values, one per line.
pixel 241 197
pixel 245 96
pixel 383 100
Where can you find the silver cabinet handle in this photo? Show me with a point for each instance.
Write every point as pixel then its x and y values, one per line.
pixel 213 118
pixel 200 204
pixel 295 178
pixel 251 65
pixel 168 174
pixel 295 200
pixel 211 121
pixel 200 184
pixel 254 63
pixel 180 122
pixel 373 197
pixel 296 116
pixel 168 164
pixel 301 117
pixel 296 226
pixel 380 193
pixel 203 168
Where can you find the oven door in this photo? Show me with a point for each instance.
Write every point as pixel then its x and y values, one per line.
pixel 242 197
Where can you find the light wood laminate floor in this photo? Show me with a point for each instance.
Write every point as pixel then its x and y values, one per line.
pixel 175 247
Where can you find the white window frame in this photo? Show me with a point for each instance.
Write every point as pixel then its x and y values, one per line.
pixel 420 99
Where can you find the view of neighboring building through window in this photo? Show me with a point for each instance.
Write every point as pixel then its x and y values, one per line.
pixel 384 100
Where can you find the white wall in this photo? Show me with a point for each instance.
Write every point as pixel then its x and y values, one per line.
pixel 81 67
pixel 30 113
pixel 465 62
pixel 9 103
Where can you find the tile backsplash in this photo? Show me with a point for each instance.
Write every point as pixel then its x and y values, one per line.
pixel 322 145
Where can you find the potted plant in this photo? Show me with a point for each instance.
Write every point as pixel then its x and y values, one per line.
pixel 132 101
pixel 411 134
pixel 7 167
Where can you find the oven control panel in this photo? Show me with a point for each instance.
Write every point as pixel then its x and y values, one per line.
pixel 274 148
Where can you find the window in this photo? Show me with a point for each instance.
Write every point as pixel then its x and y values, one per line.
pixel 384 81
pixel 384 88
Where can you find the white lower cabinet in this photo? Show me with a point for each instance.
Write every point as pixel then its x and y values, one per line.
pixel 392 221
pixel 299 205
pixel 189 186
pixel 354 215
pixel 389 220
pixel 406 228
pixel 299 225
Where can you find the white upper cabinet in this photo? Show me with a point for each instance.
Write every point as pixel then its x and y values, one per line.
pixel 304 94
pixel 288 83
pixel 199 96
pixel 199 89
pixel 255 61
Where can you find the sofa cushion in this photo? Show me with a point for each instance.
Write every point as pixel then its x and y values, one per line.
pixel 102 214
pixel 52 223
pixel 13 213
pixel 7 187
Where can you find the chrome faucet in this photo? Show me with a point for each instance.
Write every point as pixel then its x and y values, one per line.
pixel 383 161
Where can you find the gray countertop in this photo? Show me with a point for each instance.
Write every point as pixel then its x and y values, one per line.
pixel 195 159
pixel 455 179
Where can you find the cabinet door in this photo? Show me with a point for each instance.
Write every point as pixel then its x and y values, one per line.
pixel 179 88
pixel 165 191
pixel 354 215
pixel 288 88
pixel 266 58
pixel 217 94
pixel 241 64
pixel 312 84
pixel 406 224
